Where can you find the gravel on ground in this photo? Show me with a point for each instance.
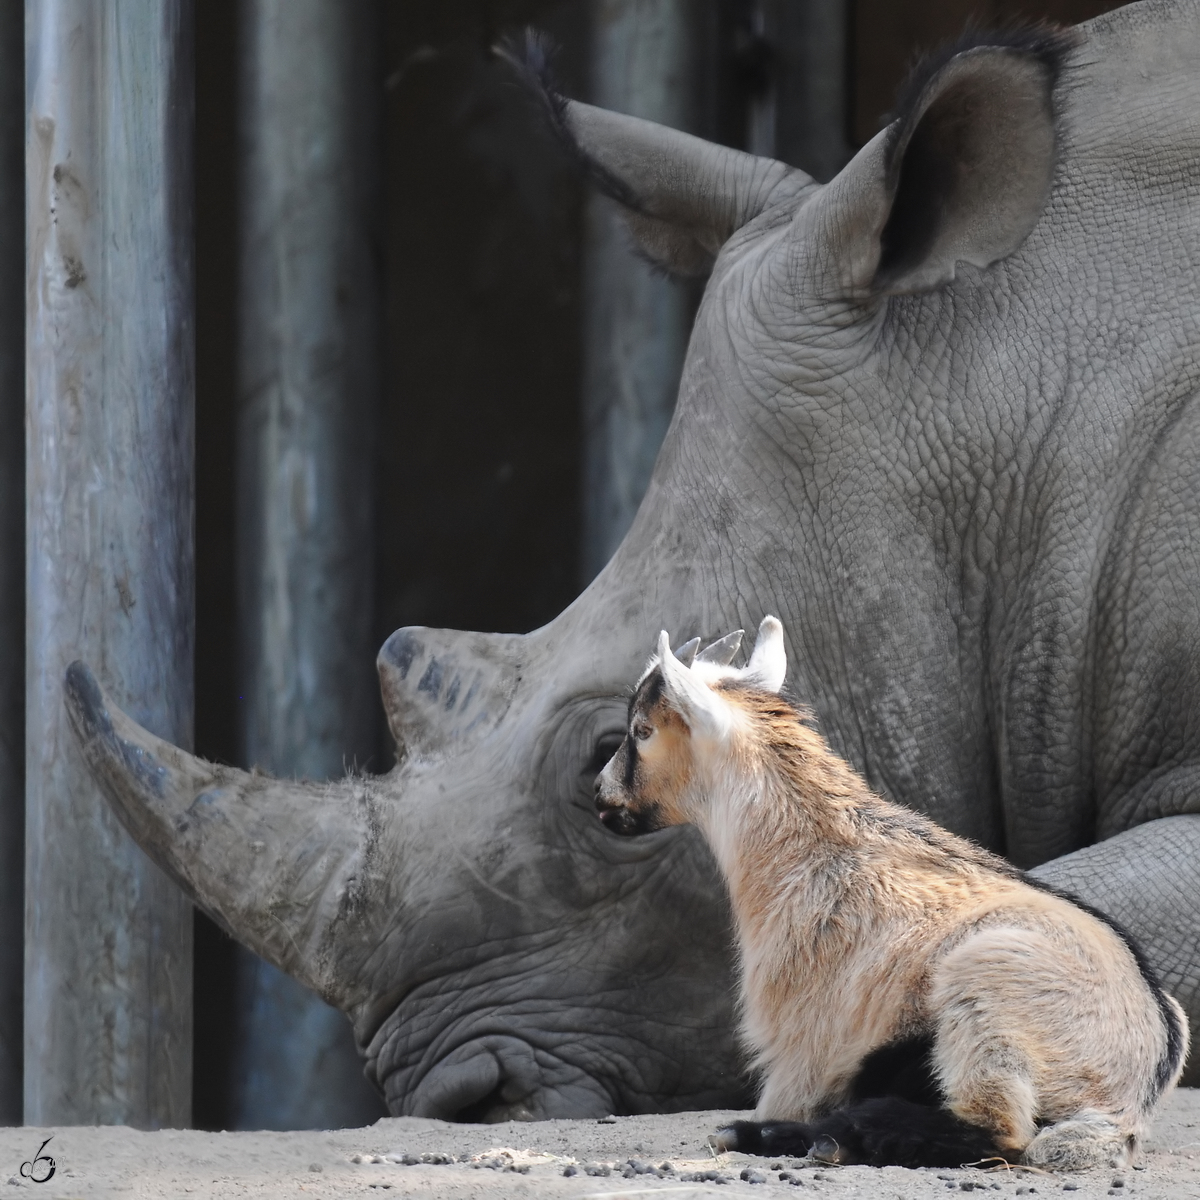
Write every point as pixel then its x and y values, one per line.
pixel 607 1159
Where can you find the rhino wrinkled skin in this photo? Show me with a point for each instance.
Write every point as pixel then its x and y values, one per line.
pixel 960 460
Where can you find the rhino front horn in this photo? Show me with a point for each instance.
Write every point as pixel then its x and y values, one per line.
pixel 281 865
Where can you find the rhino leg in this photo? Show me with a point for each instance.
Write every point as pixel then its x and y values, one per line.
pixel 1148 878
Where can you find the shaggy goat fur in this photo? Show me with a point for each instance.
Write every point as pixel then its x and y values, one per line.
pixel 908 997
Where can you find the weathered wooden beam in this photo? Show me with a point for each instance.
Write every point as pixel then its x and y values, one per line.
pixel 12 555
pixel 109 353
pixel 310 293
pixel 644 62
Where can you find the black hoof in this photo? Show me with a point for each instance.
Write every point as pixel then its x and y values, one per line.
pixel 767 1138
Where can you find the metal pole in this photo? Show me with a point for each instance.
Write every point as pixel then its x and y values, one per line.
pixel 802 117
pixel 109 356
pixel 636 322
pixel 311 110
pixel 12 555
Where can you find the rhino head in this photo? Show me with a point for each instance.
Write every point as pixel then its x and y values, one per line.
pixel 500 954
pixel 846 452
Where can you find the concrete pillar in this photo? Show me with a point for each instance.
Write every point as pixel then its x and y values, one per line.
pixel 12 555
pixel 636 322
pixel 308 378
pixel 109 355
pixel 802 116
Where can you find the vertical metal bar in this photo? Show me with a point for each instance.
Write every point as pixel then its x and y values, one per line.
pixel 802 118
pixel 636 322
pixel 110 365
pixel 311 107
pixel 12 555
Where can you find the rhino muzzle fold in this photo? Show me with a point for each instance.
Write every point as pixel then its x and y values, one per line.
pixel 285 867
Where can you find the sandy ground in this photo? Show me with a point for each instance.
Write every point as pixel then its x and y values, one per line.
pixel 531 1160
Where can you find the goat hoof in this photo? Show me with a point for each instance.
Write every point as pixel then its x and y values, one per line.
pixel 825 1149
pixel 724 1140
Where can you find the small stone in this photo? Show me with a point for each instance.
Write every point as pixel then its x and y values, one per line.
pixel 967 1185
pixel 1139 1166
pixel 315 1167
pixel 607 1121
pixel 667 1168
pixel 354 1158
pixel 818 1175
pixel 1118 1182
pixel 410 1160
pixel 946 1177
pixel 755 1177
pixel 1070 1187
pixel 569 1171
pixel 776 1167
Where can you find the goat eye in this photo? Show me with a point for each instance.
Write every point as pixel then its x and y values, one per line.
pixel 642 732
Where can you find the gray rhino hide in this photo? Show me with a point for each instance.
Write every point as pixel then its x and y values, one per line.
pixel 959 457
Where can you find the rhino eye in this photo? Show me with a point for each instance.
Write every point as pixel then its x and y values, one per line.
pixel 607 744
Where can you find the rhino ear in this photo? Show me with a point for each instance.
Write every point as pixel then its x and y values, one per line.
pixel 681 196
pixel 961 175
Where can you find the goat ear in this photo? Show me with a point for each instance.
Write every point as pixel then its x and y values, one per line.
pixel 721 652
pixel 961 175
pixel 703 711
pixel 767 667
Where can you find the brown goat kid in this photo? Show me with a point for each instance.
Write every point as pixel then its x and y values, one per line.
pixel 909 998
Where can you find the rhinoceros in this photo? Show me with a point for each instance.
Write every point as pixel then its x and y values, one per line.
pixel 940 414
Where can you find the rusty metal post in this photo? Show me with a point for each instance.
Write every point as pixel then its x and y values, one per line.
pixel 802 116
pixel 12 555
pixel 308 378
pixel 109 568
pixel 636 322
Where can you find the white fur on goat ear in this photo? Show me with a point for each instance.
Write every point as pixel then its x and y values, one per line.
pixel 720 653
pixel 767 667
pixel 687 652
pixel 703 711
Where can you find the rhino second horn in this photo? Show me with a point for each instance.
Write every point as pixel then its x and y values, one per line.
pixel 687 652
pixel 722 651
pixel 279 865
